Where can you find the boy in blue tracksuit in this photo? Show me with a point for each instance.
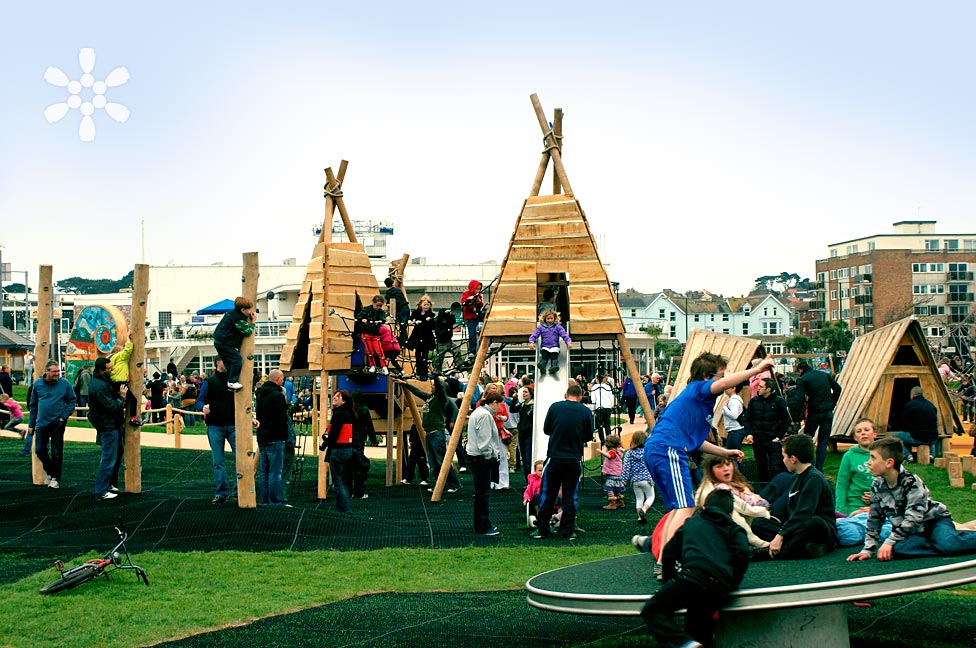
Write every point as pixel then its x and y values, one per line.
pixel 683 428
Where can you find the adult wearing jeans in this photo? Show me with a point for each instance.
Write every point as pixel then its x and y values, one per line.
pixel 272 413
pixel 821 392
pixel 921 422
pixel 601 395
pixel 768 418
pixel 484 451
pixel 106 414
pixel 218 413
pixel 337 443
pixel 731 413
pixel 52 401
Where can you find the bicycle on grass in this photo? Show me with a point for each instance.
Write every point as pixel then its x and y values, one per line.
pixel 116 558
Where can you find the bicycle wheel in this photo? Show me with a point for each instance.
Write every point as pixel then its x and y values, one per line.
pixel 71 579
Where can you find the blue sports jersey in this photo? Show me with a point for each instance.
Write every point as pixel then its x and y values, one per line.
pixel 686 420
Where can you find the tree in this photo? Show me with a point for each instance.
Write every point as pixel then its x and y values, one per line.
pixel 834 336
pixel 81 286
pixel 784 280
pixel 655 333
pixel 799 344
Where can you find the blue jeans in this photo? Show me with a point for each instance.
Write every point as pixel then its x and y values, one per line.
pixel 110 445
pixel 907 442
pixel 52 435
pixel 338 464
pixel 472 326
pixel 437 448
pixel 217 435
pixel 269 472
pixel 939 538
pixel 233 362
pixel 822 422
pixel 851 531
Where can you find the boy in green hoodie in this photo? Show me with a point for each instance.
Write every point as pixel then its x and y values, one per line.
pixel 853 489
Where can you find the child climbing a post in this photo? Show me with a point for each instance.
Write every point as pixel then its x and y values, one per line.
pixel 120 376
pixel 548 333
pixel 234 326
pixel 369 321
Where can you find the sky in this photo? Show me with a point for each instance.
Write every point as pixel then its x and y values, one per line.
pixel 709 143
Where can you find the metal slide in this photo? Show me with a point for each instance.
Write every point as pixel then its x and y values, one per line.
pixel 548 390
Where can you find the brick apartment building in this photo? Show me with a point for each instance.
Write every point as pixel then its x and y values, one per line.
pixel 875 280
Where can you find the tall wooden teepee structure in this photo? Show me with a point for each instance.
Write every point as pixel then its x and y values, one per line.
pixel 551 246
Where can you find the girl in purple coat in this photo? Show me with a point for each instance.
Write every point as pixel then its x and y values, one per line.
pixel 549 330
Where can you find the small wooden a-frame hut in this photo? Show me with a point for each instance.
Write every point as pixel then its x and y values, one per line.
pixel 881 369
pixel 737 351
pixel 551 246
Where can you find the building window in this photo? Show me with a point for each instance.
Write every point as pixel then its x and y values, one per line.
pixel 833 253
pixel 725 317
pixel 845 313
pixel 746 309
pixel 843 294
pixel 842 273
pixel 952 244
pixel 833 274
pixel 725 330
pixel 872 245
pixel 674 317
pixel 660 313
pixel 165 318
pixel 833 294
pixel 922 310
pixel 745 328
pixel 770 328
pixel 633 312
pixel 711 317
pixel 932 245
pixel 969 244
pixel 821 277
pixel 833 315
pixel 696 317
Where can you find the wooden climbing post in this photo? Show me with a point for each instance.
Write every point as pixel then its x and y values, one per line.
pixel 137 377
pixel 247 457
pixel 42 350
pixel 323 421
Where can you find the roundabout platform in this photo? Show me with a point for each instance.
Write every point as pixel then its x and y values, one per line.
pixel 789 603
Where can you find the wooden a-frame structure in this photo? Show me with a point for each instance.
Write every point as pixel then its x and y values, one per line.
pixel 338 281
pixel 551 246
pixel 881 368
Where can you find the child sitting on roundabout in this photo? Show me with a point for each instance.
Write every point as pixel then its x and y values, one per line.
pixel 921 526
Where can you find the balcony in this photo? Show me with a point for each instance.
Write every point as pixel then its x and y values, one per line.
pixel 863 321
pixel 953 298
pixel 863 299
pixel 957 275
pixel 817 305
pixel 864 278
pixel 958 318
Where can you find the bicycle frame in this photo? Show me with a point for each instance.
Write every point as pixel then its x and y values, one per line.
pixel 90 569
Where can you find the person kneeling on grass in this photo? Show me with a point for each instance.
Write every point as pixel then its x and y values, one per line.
pixel 920 526
pixel 713 554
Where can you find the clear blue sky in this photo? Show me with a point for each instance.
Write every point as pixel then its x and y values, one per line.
pixel 708 144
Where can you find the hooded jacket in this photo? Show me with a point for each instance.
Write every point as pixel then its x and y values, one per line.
pixel 712 550
pixel 104 407
pixel 471 301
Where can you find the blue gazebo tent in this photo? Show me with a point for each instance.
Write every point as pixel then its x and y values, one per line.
pixel 221 307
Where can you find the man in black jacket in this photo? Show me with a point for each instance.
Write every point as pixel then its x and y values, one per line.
pixel 272 413
pixel 105 409
pixel 821 392
pixel 714 554
pixel 768 421
pixel 920 421
pixel 218 413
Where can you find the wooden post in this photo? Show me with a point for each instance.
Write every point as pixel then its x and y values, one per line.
pixel 243 399
pixel 178 430
pixel 389 431
pixel 462 416
pixel 924 456
pixel 323 420
pixel 635 378
pixel 557 130
pixel 137 376
pixel 42 351
pixel 169 419
pixel 339 202
pixel 955 474
pixel 557 159
pixel 969 464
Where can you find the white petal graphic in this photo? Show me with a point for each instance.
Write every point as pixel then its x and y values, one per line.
pixel 56 112
pixel 56 77
pixel 87 129
pixel 117 111
pixel 117 77
pixel 86 58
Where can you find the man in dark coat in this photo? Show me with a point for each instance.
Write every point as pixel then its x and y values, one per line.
pixel 920 421
pixel 272 413
pixel 105 413
pixel 768 421
pixel 821 392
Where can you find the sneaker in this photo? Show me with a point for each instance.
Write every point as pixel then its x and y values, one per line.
pixel 109 495
pixel 423 482
pixel 384 371
pixel 641 517
pixel 53 483
pixel 532 521
pixel 909 459
pixel 114 489
pixel 542 368
pixel 234 386
pixel 538 535
pixel 492 532
pixel 363 496
pixel 453 490
pixel 554 371
pixel 571 536
pixel 463 469
pixel 641 543
pixel 612 506
pixel 218 499
pixel 371 370
pixel 406 482
pixel 135 422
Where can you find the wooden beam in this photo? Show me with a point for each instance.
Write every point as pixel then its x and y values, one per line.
pixel 340 203
pixel 553 151
pixel 42 351
pixel 247 458
pixel 137 376
pixel 628 358
pixel 319 424
pixel 462 416
pixel 557 130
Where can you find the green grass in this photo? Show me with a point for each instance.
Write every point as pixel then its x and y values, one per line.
pixel 192 592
